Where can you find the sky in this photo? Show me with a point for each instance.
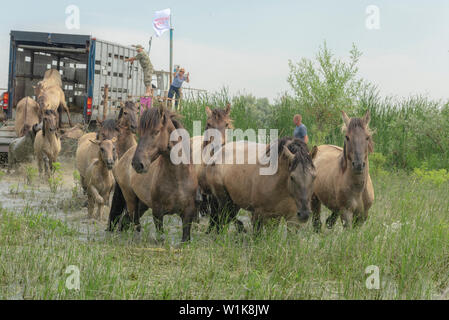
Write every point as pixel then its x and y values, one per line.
pixel 246 45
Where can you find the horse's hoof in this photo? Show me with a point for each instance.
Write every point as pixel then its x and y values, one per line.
pixel 330 222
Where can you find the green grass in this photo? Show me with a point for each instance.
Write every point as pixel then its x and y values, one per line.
pixel 406 236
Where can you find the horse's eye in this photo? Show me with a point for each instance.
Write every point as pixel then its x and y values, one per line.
pixel 347 138
pixel 367 138
pixel 102 149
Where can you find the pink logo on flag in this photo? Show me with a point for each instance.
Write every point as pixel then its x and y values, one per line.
pixel 161 21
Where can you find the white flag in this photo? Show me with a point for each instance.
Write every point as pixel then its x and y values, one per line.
pixel 161 21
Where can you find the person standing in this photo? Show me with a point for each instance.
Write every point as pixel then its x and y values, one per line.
pixel 300 131
pixel 147 68
pixel 179 78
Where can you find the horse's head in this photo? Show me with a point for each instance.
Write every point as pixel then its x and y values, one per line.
pixel 49 121
pixel 358 143
pixel 127 117
pixel 108 129
pixel 155 127
pixel 107 152
pixel 44 101
pixel 301 173
pixel 30 120
pixel 38 88
pixel 220 120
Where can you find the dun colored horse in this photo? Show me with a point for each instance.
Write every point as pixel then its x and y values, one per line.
pixel 286 193
pixel 146 177
pixel 47 144
pixel 122 128
pixel 28 114
pixel 220 120
pixel 343 183
pixel 53 98
pixel 127 127
pixel 49 95
pixel 99 177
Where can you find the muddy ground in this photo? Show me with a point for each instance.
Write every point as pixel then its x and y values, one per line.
pixel 22 190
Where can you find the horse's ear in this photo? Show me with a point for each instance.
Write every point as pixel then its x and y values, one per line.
pixel 208 112
pixel 228 108
pixel 97 142
pixel 346 119
pixel 290 156
pixel 367 118
pixel 314 152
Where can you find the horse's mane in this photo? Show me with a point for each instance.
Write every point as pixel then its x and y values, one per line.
pixel 128 105
pixel 152 117
pixel 108 127
pixel 299 149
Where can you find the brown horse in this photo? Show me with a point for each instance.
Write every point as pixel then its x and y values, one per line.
pixel 28 114
pixel 343 183
pixel 86 151
pixel 52 77
pixel 220 120
pixel 99 177
pixel 53 98
pixel 127 127
pixel 47 144
pixel 146 177
pixel 285 193
pixel 122 128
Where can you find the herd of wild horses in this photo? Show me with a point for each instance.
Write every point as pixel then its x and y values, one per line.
pixel 141 174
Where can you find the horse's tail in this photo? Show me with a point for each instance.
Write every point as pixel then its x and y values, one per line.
pixel 117 207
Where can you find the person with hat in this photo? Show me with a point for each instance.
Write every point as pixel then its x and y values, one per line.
pixel 175 87
pixel 146 65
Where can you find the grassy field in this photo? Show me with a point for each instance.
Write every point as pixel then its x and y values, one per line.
pixel 406 237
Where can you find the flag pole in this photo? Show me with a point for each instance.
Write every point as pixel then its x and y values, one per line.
pixel 171 50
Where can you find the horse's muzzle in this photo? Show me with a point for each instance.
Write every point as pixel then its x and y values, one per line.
pixel 110 164
pixel 138 166
pixel 303 216
pixel 358 167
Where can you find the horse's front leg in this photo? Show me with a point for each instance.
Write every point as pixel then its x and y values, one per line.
pixel 214 214
pixel 360 217
pixel 257 221
pixel 158 218
pixel 316 213
pixel 347 218
pixel 187 218
pixel 66 109
pixel 331 220
pixel 96 195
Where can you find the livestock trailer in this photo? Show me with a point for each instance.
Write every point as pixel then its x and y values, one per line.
pixel 86 65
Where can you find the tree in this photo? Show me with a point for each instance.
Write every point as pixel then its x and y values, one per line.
pixel 324 87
